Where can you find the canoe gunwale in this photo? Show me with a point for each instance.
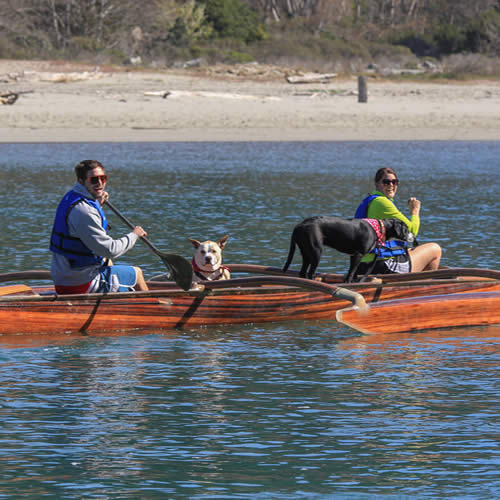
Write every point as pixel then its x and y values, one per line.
pixel 445 272
pixel 236 286
pixel 174 292
pixel 330 278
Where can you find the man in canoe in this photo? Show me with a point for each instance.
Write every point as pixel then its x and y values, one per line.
pixel 81 247
pixel 397 259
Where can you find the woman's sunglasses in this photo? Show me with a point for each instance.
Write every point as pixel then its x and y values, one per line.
pixel 387 182
pixel 97 178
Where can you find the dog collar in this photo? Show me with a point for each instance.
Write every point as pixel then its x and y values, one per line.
pixel 197 269
pixel 379 228
pixel 200 272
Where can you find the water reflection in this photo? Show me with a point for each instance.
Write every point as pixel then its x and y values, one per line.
pixel 296 406
pixel 284 410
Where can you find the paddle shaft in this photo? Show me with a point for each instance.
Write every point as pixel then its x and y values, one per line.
pixel 131 226
pixel 179 268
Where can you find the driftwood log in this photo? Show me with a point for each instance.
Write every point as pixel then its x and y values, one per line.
pixel 11 97
pixel 174 94
pixel 311 78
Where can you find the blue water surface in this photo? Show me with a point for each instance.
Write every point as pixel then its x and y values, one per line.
pixel 275 411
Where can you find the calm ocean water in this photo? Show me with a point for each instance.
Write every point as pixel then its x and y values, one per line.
pixel 289 410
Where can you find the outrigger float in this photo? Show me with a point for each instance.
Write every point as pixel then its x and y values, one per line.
pixel 393 303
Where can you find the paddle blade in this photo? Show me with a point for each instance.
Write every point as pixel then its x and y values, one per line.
pixel 180 269
pixel 16 289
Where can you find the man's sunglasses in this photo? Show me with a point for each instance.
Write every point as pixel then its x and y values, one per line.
pixel 387 182
pixel 97 178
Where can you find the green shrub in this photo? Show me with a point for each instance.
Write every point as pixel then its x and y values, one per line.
pixel 235 57
pixel 83 43
pixel 421 45
pixel 86 48
pixel 389 50
pixel 234 19
pixel 189 25
pixel 461 65
pixel 12 50
pixel 482 34
pixel 449 39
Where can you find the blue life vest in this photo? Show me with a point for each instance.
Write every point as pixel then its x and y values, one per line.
pixel 362 210
pixel 390 248
pixel 78 254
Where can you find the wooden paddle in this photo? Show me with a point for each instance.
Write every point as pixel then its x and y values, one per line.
pixel 180 269
pixel 15 289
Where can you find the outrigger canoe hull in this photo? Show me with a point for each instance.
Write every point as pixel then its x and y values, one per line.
pixel 163 311
pixel 425 313
pixel 39 310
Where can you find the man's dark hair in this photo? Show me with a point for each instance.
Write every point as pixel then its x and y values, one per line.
pixel 84 167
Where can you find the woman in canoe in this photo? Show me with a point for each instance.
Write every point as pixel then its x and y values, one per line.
pixel 81 247
pixel 398 259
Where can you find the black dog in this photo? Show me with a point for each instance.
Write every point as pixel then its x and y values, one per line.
pixel 355 237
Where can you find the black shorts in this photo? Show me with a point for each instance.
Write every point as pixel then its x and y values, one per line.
pixel 395 265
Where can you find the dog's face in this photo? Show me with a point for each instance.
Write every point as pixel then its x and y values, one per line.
pixel 208 254
pixel 397 229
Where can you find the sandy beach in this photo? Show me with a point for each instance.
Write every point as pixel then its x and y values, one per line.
pixel 61 102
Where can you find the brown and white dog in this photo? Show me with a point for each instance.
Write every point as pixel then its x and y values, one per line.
pixel 207 260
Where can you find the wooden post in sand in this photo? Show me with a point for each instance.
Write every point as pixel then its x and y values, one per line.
pixel 362 89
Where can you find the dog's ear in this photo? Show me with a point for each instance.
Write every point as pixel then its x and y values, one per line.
pixel 222 242
pixel 195 243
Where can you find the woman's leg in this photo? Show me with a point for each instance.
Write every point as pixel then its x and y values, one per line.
pixel 425 257
pixel 140 283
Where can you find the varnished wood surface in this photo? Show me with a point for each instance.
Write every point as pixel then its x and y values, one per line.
pixel 229 302
pixel 165 311
pixel 427 312
pixel 240 300
pixel 15 290
pixel 444 272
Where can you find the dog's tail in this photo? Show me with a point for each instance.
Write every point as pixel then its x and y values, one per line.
pixel 291 253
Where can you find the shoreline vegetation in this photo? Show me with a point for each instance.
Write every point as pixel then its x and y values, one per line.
pixel 61 101
pixel 249 70
pixel 455 37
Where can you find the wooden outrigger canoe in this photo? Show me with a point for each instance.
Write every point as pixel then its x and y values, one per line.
pixel 425 313
pixel 270 297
